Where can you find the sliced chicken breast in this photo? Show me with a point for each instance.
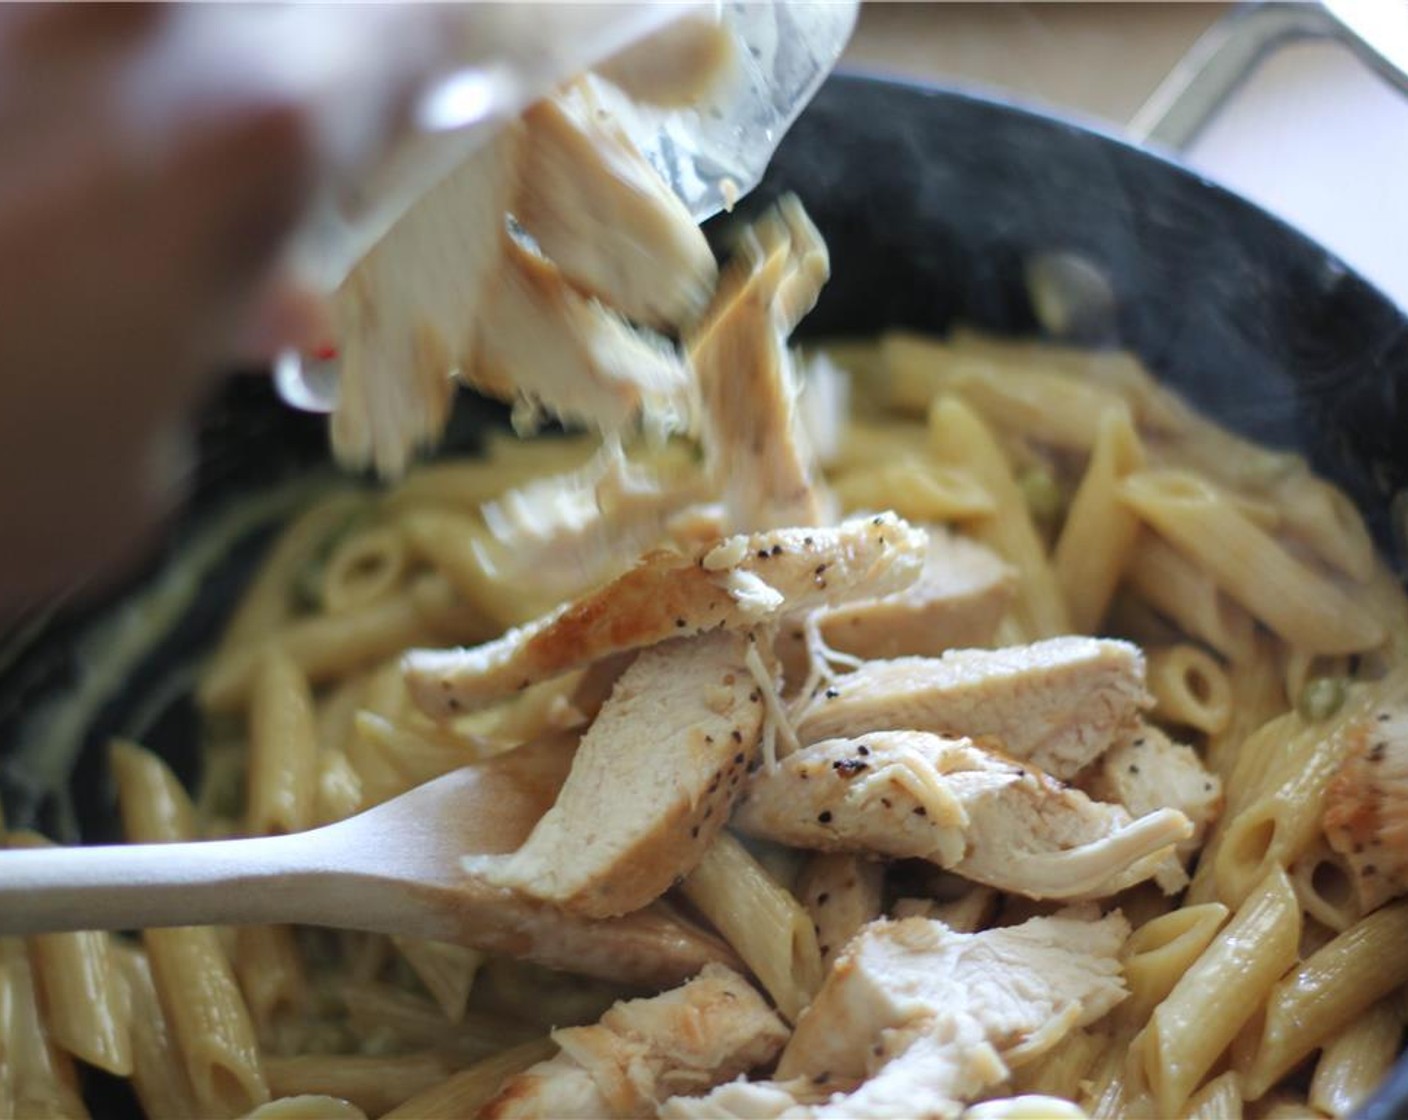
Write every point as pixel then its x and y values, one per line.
pixel 606 217
pixel 1059 703
pixel 646 1050
pixel 932 1019
pixel 1152 772
pixel 757 455
pixel 843 893
pixel 1366 809
pixel 407 315
pixel 740 583
pixel 956 603
pixel 562 355
pixel 650 787
pixel 911 794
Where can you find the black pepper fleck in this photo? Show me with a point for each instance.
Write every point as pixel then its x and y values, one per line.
pixel 738 736
pixel 823 898
pixel 824 816
pixel 920 811
pixel 863 750
pixel 738 759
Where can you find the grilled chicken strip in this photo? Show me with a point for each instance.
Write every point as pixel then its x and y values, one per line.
pixel 606 217
pixel 543 343
pixel 931 1019
pixel 757 455
pixel 843 893
pixel 956 603
pixel 1058 704
pixel 910 794
pixel 1152 772
pixel 741 583
pixel 572 532
pixel 646 1050
pixel 650 787
pixel 1366 809
pixel 407 315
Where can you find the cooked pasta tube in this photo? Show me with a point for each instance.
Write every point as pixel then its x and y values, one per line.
pixel 1186 594
pixel 1189 688
pixel 375 1085
pixel 366 565
pixel 1300 605
pixel 1061 1072
pixel 467 484
pixel 457 545
pixel 268 603
pixel 1045 406
pixel 1328 991
pixel 447 971
pixel 283 749
pixel 1324 883
pixel 43 1081
pixel 464 1093
pixel 1160 952
pixel 325 647
pixel 270 971
pixel 919 491
pixel 1191 1028
pixel 1355 1062
pixel 307 1108
pixel 1282 822
pixel 1219 1099
pixel 339 788
pixel 1257 696
pixel 961 439
pixel 79 989
pixel 763 922
pixel 1323 517
pixel 214 1031
pixel 1100 531
pixel 378 1013
pixel 158 1074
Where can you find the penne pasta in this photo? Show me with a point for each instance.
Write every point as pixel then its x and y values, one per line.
pixel 214 1031
pixel 42 1081
pixel 1328 991
pixel 84 1008
pixel 763 922
pixel 464 1093
pixel 1190 688
pixel 1160 952
pixel 1222 989
pixel 925 492
pixel 158 1074
pixel 283 749
pixel 374 1084
pixel 325 647
pixel 1219 1099
pixel 1324 884
pixel 960 438
pixel 269 601
pixel 1185 594
pixel 367 565
pixel 1300 605
pixel 1355 1062
pixel 271 976
pixel 447 971
pixel 1100 532
pixel 307 1108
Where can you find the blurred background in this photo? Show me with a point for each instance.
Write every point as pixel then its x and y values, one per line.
pixel 1313 136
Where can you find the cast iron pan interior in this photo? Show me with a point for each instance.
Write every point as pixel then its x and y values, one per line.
pixel 931 202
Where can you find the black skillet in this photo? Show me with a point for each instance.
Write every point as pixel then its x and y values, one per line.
pixel 933 204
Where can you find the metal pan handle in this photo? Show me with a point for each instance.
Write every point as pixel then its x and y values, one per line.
pixel 1229 52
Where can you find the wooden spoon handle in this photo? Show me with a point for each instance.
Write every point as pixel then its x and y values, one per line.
pixel 131 886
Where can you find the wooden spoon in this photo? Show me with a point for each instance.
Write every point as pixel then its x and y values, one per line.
pixel 393 869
